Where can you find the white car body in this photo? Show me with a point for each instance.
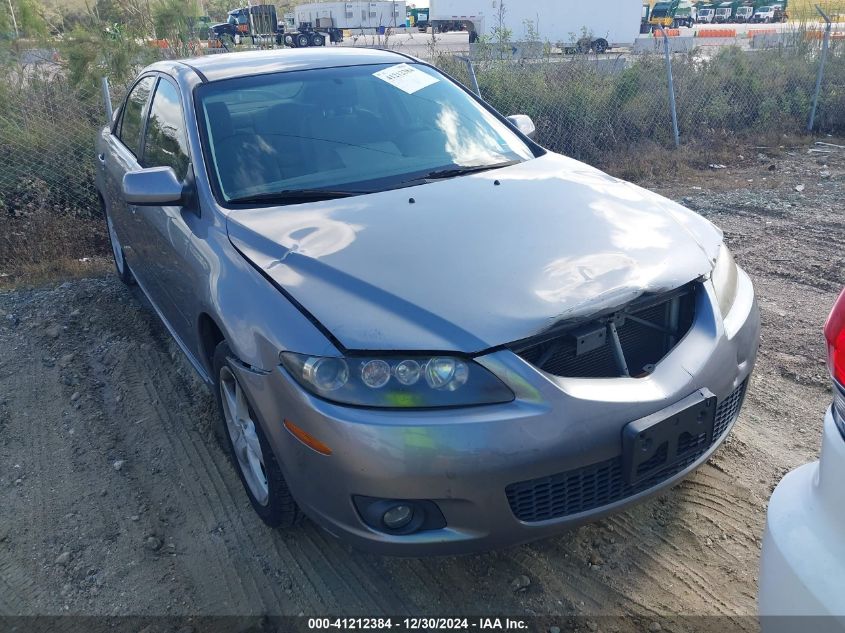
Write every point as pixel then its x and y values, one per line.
pixel 802 565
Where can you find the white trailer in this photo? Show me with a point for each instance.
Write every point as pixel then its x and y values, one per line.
pixel 565 23
pixel 366 17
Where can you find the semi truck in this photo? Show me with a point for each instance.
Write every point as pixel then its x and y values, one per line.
pixel 258 23
pixel 418 19
pixel 770 13
pixel 705 12
pixel 317 23
pixel 673 14
pixel 305 34
pixel 359 16
pixel 724 12
pixel 568 24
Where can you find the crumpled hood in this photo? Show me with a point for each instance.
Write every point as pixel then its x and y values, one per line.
pixel 472 264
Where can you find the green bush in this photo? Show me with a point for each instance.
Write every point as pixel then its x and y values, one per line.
pixel 588 107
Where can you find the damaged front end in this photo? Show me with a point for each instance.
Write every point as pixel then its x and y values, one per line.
pixel 625 341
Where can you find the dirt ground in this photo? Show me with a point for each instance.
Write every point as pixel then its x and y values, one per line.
pixel 116 499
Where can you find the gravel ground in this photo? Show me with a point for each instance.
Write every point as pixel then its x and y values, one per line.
pixel 117 499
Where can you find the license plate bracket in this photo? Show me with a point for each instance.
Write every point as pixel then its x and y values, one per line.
pixel 667 436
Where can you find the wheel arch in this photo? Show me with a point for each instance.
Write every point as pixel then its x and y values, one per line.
pixel 210 335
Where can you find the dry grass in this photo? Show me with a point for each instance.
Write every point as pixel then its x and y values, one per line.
pixel 41 248
pixel 650 163
pixel 34 275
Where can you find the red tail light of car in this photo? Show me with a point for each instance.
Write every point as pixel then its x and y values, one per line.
pixel 834 332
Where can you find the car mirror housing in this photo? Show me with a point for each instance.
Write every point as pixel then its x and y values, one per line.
pixel 153 186
pixel 524 124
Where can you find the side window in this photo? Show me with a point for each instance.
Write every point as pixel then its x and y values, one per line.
pixel 165 144
pixel 130 125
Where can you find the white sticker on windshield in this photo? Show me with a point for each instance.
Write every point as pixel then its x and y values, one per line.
pixel 406 78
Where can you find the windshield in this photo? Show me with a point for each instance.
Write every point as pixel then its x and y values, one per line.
pixel 764 9
pixel 355 129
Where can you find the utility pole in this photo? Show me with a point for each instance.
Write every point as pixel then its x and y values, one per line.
pixel 14 21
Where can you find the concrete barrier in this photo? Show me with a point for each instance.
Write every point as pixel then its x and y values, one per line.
pixel 681 44
pixel 718 41
pixel 770 40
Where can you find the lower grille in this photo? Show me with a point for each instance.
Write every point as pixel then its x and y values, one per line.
pixel 600 484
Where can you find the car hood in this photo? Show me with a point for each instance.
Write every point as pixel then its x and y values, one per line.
pixel 476 261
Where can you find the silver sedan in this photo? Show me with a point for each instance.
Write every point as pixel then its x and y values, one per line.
pixel 425 332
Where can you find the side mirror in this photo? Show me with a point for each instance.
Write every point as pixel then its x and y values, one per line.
pixel 153 186
pixel 524 124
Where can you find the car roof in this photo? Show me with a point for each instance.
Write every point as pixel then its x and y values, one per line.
pixel 229 65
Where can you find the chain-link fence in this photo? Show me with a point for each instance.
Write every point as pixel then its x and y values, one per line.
pixel 592 107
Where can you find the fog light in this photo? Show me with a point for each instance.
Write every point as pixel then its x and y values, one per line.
pixel 398 517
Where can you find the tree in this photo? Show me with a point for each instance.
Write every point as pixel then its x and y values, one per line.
pixel 22 18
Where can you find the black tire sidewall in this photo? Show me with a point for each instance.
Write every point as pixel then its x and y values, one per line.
pixel 281 510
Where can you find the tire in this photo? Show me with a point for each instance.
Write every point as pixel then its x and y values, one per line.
pixel 600 46
pixel 290 41
pixel 120 265
pixel 247 446
pixel 318 40
pixel 302 40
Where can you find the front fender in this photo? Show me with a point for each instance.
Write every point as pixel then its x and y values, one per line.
pixel 255 318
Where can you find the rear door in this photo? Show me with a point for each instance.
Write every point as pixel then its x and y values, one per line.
pixel 166 232
pixel 120 156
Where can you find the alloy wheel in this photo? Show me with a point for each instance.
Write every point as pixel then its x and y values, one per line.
pixel 241 428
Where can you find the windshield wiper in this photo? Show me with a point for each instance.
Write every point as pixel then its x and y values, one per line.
pixel 296 195
pixel 453 172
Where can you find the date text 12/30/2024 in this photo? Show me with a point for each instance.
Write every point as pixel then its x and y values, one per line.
pixel 417 624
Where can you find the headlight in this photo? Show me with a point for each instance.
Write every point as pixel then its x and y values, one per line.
pixel 724 278
pixel 399 382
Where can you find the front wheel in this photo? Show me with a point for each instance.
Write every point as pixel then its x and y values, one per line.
pixel 600 46
pixel 249 449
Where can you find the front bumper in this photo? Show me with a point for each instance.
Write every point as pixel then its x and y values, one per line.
pixel 802 565
pixel 465 459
